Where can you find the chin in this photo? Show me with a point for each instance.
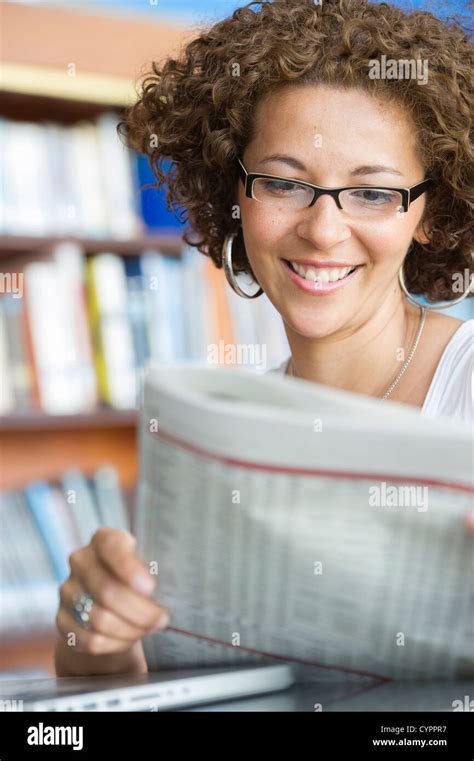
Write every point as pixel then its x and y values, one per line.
pixel 319 324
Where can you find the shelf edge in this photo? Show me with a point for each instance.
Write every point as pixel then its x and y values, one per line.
pixel 48 82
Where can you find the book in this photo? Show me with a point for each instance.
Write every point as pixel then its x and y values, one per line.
pixel 51 313
pixel 7 389
pixel 137 309
pixel 69 259
pixel 165 306
pixel 110 501
pixel 80 499
pixel 287 520
pixel 118 179
pixel 77 179
pixel 16 364
pixel 53 520
pixel 84 162
pixel 111 330
pixel 26 189
pixel 154 210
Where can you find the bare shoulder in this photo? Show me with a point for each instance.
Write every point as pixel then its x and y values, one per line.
pixel 442 326
pixel 438 332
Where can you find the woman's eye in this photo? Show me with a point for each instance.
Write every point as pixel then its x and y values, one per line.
pixel 279 186
pixel 371 196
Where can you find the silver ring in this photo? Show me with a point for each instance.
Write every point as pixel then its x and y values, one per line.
pixel 81 608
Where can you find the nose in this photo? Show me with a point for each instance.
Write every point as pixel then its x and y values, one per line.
pixel 323 224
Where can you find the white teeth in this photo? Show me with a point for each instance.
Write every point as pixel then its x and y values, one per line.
pixel 321 275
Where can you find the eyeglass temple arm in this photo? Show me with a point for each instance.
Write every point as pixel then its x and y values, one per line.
pixel 417 190
pixel 242 171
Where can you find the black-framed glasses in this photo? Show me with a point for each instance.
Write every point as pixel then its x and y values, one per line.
pixel 357 200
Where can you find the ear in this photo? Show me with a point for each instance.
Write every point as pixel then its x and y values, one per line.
pixel 421 234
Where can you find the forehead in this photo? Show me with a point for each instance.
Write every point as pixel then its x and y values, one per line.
pixel 354 127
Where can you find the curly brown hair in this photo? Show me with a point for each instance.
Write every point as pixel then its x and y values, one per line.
pixel 193 112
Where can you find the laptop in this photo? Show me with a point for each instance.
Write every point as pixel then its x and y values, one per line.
pixel 406 696
pixel 143 692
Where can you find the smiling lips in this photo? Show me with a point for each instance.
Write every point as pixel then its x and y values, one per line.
pixel 319 279
pixel 321 273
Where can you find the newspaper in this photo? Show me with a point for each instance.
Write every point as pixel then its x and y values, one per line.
pixel 288 521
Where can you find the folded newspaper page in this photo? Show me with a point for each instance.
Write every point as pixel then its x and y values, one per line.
pixel 290 522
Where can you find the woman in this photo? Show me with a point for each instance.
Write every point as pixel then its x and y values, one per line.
pixel 366 192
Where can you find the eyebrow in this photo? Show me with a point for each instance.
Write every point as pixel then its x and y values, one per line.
pixel 358 171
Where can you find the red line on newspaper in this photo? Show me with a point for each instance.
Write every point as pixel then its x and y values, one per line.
pixel 312 471
pixel 276 656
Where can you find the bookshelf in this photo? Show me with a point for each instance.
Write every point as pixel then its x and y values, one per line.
pixel 81 65
pixel 104 418
pixel 109 54
pixel 86 438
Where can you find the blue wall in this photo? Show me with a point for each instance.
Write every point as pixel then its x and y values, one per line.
pixel 191 11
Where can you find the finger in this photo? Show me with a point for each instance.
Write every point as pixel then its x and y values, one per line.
pixel 469 522
pixel 101 620
pixel 86 641
pixel 115 549
pixel 112 595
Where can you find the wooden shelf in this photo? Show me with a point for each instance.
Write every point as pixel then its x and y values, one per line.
pixel 82 55
pixel 169 242
pixel 44 453
pixel 45 81
pixel 34 107
pixel 34 421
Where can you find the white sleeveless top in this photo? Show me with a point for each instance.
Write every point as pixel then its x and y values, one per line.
pixel 451 393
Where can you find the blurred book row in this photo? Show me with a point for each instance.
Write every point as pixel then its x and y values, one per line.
pixel 78 180
pixel 78 331
pixel 41 526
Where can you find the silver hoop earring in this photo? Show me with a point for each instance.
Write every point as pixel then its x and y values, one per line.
pixel 229 272
pixel 401 280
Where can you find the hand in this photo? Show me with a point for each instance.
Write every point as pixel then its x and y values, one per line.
pixel 120 583
pixel 469 522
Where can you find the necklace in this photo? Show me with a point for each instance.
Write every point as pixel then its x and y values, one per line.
pixel 407 361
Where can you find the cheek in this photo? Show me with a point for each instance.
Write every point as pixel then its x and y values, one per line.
pixel 386 242
pixel 264 230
